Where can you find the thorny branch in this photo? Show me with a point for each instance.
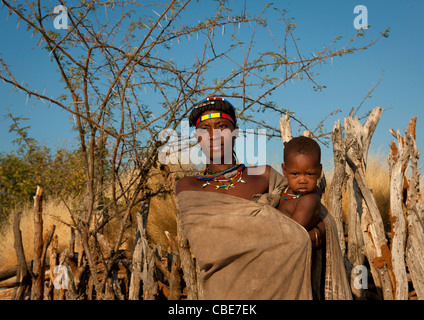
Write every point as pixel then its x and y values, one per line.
pixel 123 87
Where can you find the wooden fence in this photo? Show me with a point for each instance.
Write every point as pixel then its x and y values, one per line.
pixel 391 259
pixel 394 260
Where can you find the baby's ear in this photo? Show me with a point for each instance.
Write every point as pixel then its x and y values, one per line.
pixel 283 167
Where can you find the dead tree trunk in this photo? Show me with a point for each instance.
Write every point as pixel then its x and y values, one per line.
pixel 353 256
pixel 339 177
pixel 414 216
pixel 355 247
pixel 358 140
pixel 398 159
pixel 376 248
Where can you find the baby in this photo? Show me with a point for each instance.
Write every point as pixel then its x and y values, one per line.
pixel 301 200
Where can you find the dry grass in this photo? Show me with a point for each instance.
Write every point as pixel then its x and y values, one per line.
pixel 163 209
pixel 52 210
pixel 162 217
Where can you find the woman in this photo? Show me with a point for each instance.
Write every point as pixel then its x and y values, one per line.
pixel 216 134
pixel 245 247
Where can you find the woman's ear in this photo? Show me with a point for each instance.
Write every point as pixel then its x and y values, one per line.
pixel 195 135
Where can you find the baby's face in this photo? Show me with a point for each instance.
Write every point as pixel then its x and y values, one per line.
pixel 302 172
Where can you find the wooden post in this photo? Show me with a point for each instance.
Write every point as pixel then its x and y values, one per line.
pixel 134 290
pixel 414 216
pixel 358 140
pixel 376 248
pixel 23 277
pixel 38 274
pixel 143 264
pixel 41 244
pixel 339 177
pixel 53 292
pixel 355 246
pixel 150 286
pixel 174 274
pixel 398 159
pixel 357 205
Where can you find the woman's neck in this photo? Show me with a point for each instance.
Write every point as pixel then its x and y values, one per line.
pixel 213 168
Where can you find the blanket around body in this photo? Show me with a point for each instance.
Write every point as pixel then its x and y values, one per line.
pixel 249 250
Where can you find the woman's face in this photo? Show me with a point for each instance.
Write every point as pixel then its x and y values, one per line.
pixel 216 137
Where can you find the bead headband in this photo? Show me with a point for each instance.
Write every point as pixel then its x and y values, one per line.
pixel 222 114
pixel 214 115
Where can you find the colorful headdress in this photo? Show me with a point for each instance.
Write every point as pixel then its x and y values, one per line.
pixel 225 110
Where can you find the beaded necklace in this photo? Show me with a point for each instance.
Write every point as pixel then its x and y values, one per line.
pixel 289 196
pixel 225 179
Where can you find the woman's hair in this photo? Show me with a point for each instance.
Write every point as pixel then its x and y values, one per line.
pixel 302 145
pixel 212 103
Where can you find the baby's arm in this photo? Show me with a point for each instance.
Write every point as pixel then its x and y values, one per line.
pixel 307 210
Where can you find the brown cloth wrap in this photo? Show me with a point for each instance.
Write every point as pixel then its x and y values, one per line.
pixel 248 249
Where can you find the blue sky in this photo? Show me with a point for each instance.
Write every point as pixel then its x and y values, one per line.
pixel 398 58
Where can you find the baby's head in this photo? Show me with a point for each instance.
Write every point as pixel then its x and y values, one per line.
pixel 302 164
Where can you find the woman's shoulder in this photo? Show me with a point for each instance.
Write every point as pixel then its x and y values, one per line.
pixel 259 176
pixel 263 171
pixel 184 184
